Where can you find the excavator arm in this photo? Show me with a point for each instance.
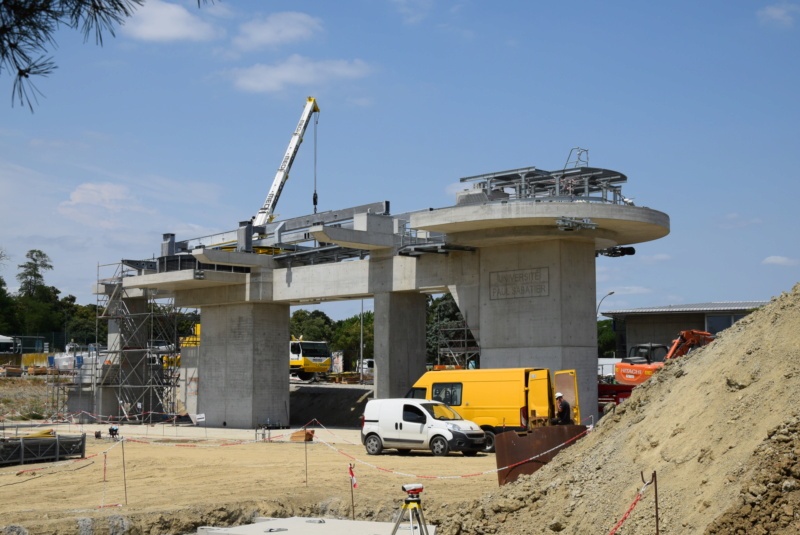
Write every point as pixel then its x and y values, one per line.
pixel 631 373
pixel 265 214
pixel 686 341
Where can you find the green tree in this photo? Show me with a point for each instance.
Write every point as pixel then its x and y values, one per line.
pixel 37 303
pixel 36 317
pixel 314 325
pixel 606 339
pixel 8 308
pixel 31 276
pixel 82 326
pixel 347 338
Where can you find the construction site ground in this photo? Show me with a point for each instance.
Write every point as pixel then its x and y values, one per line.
pixel 719 428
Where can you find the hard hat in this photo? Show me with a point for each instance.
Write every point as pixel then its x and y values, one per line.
pixel 559 395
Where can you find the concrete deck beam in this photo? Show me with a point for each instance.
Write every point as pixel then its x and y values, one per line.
pixel 527 291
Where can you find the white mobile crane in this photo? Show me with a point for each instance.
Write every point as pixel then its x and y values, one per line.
pixel 265 214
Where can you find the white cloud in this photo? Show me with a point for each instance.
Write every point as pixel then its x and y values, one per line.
pixel 632 290
pixel 360 102
pixel 15 178
pixel 182 230
pixel 219 10
pixel 297 70
pixel 656 258
pixel 162 22
pixel 107 195
pixel 781 261
pixel 602 277
pixel 462 34
pixel 102 205
pixel 781 15
pixel 454 188
pixel 735 221
pixel 178 191
pixel 414 11
pixel 277 29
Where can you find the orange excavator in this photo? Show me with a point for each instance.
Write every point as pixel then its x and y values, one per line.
pixel 644 359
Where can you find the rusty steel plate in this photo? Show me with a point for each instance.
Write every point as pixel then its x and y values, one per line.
pixel 524 453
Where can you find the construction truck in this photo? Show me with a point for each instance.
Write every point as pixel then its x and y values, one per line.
pixel 644 359
pixel 501 399
pixel 308 359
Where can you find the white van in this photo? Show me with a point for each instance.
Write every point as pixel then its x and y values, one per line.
pixel 418 424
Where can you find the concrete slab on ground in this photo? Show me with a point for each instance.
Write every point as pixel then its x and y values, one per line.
pixel 304 525
pixel 332 435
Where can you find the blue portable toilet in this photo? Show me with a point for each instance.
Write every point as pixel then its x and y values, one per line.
pixel 51 361
pixel 78 362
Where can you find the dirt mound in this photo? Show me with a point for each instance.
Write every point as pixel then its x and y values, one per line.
pixel 719 427
pixel 21 398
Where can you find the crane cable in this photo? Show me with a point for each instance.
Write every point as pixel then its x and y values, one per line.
pixel 314 198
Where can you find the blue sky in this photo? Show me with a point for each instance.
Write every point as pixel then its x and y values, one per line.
pixel 179 123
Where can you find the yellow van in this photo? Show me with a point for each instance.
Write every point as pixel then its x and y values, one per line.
pixel 501 399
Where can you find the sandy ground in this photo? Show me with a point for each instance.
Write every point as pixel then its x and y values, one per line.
pixel 720 427
pixel 167 479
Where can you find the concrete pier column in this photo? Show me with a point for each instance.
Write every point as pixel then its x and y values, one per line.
pixel 399 342
pixel 244 358
pixel 535 304
pixel 537 309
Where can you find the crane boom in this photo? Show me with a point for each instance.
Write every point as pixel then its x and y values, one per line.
pixel 265 214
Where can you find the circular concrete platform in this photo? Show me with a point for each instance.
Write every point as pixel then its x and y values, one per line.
pixel 502 222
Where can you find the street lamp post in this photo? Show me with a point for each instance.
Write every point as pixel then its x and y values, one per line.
pixel 361 348
pixel 597 313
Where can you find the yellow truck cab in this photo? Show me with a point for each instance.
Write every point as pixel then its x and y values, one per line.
pixel 501 399
pixel 308 358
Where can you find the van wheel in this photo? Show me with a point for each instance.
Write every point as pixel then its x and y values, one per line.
pixel 439 446
pixel 374 445
pixel 489 445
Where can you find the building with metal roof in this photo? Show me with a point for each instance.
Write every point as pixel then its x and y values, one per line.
pixel 661 324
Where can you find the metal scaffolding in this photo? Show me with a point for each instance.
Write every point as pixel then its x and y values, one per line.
pixel 136 376
pixel 457 345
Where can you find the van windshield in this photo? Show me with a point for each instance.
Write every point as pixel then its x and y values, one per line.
pixel 441 411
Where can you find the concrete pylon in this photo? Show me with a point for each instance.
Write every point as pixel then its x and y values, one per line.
pixel 244 361
pixel 399 342
pixel 534 307
pixel 528 289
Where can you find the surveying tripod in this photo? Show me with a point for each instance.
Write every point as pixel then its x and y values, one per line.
pixel 412 504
